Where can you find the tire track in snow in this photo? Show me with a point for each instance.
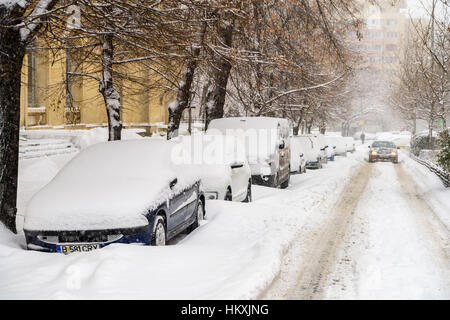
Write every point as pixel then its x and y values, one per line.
pixel 312 256
pixel 396 247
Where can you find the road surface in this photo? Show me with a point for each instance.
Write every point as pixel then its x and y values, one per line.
pixel 381 240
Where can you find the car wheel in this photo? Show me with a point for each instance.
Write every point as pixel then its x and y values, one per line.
pixel 159 232
pixel 304 169
pixel 249 192
pixel 229 195
pixel 200 215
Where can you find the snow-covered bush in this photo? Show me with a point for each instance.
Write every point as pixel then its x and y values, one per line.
pixel 444 153
pixel 421 142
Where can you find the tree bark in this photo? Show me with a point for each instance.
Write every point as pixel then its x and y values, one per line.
pixel 177 107
pixel 109 92
pixel 12 52
pixel 220 72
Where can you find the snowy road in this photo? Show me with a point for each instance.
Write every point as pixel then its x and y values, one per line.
pixel 350 230
pixel 381 241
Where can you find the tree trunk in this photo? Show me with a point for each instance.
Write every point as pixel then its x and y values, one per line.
pixel 109 92
pixel 220 71
pixel 177 107
pixel 12 52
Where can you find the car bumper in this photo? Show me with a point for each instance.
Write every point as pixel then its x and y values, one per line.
pixel 83 241
pixel 383 158
pixel 263 180
pixel 313 164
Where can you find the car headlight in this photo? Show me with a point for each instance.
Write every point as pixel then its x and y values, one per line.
pixel 393 153
pixel 374 152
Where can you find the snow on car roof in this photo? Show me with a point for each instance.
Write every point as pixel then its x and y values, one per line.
pixel 106 186
pixel 245 123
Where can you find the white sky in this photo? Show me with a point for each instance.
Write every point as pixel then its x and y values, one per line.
pixel 416 7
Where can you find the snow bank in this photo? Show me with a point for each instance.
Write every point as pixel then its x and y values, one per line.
pixel 435 193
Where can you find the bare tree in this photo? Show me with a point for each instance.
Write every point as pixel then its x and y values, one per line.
pixel 20 22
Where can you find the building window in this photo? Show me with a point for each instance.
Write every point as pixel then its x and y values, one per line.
pixel 32 79
pixel 391 22
pixel 391 34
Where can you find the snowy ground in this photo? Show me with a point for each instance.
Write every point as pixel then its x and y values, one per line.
pixel 286 244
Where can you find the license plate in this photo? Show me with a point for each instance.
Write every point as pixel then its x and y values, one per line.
pixel 66 249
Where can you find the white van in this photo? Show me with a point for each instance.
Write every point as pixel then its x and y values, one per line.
pixel 267 146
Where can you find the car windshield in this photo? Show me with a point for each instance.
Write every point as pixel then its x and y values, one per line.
pixel 383 144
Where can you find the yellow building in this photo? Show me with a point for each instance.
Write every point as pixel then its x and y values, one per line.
pixel 48 100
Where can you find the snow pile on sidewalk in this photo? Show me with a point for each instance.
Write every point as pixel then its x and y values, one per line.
pixel 235 254
pixel 97 135
pixel 432 189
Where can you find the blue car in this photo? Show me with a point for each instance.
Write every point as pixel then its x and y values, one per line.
pixel 115 192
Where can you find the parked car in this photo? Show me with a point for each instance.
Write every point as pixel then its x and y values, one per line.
pixel 267 146
pixel 322 145
pixel 383 151
pixel 351 147
pixel 299 149
pixel 331 149
pixel 223 169
pixel 319 153
pixel 313 153
pixel 339 144
pixel 115 192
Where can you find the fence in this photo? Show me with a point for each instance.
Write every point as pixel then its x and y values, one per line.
pixel 444 176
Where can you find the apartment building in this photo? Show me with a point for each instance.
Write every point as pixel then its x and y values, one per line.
pixel 383 37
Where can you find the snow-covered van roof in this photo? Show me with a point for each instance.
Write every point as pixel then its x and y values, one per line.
pixel 250 123
pixel 108 185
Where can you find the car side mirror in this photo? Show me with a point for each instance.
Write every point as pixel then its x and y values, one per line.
pixel 301 155
pixel 236 165
pixel 368 147
pixel 173 183
pixel 281 146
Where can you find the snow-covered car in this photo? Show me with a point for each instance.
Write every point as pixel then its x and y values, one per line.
pixel 339 144
pixel 267 146
pixel 350 142
pixel 383 151
pixel 115 192
pixel 323 146
pixel 403 140
pixel 313 154
pixel 223 169
pixel 299 149
pixel 331 148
